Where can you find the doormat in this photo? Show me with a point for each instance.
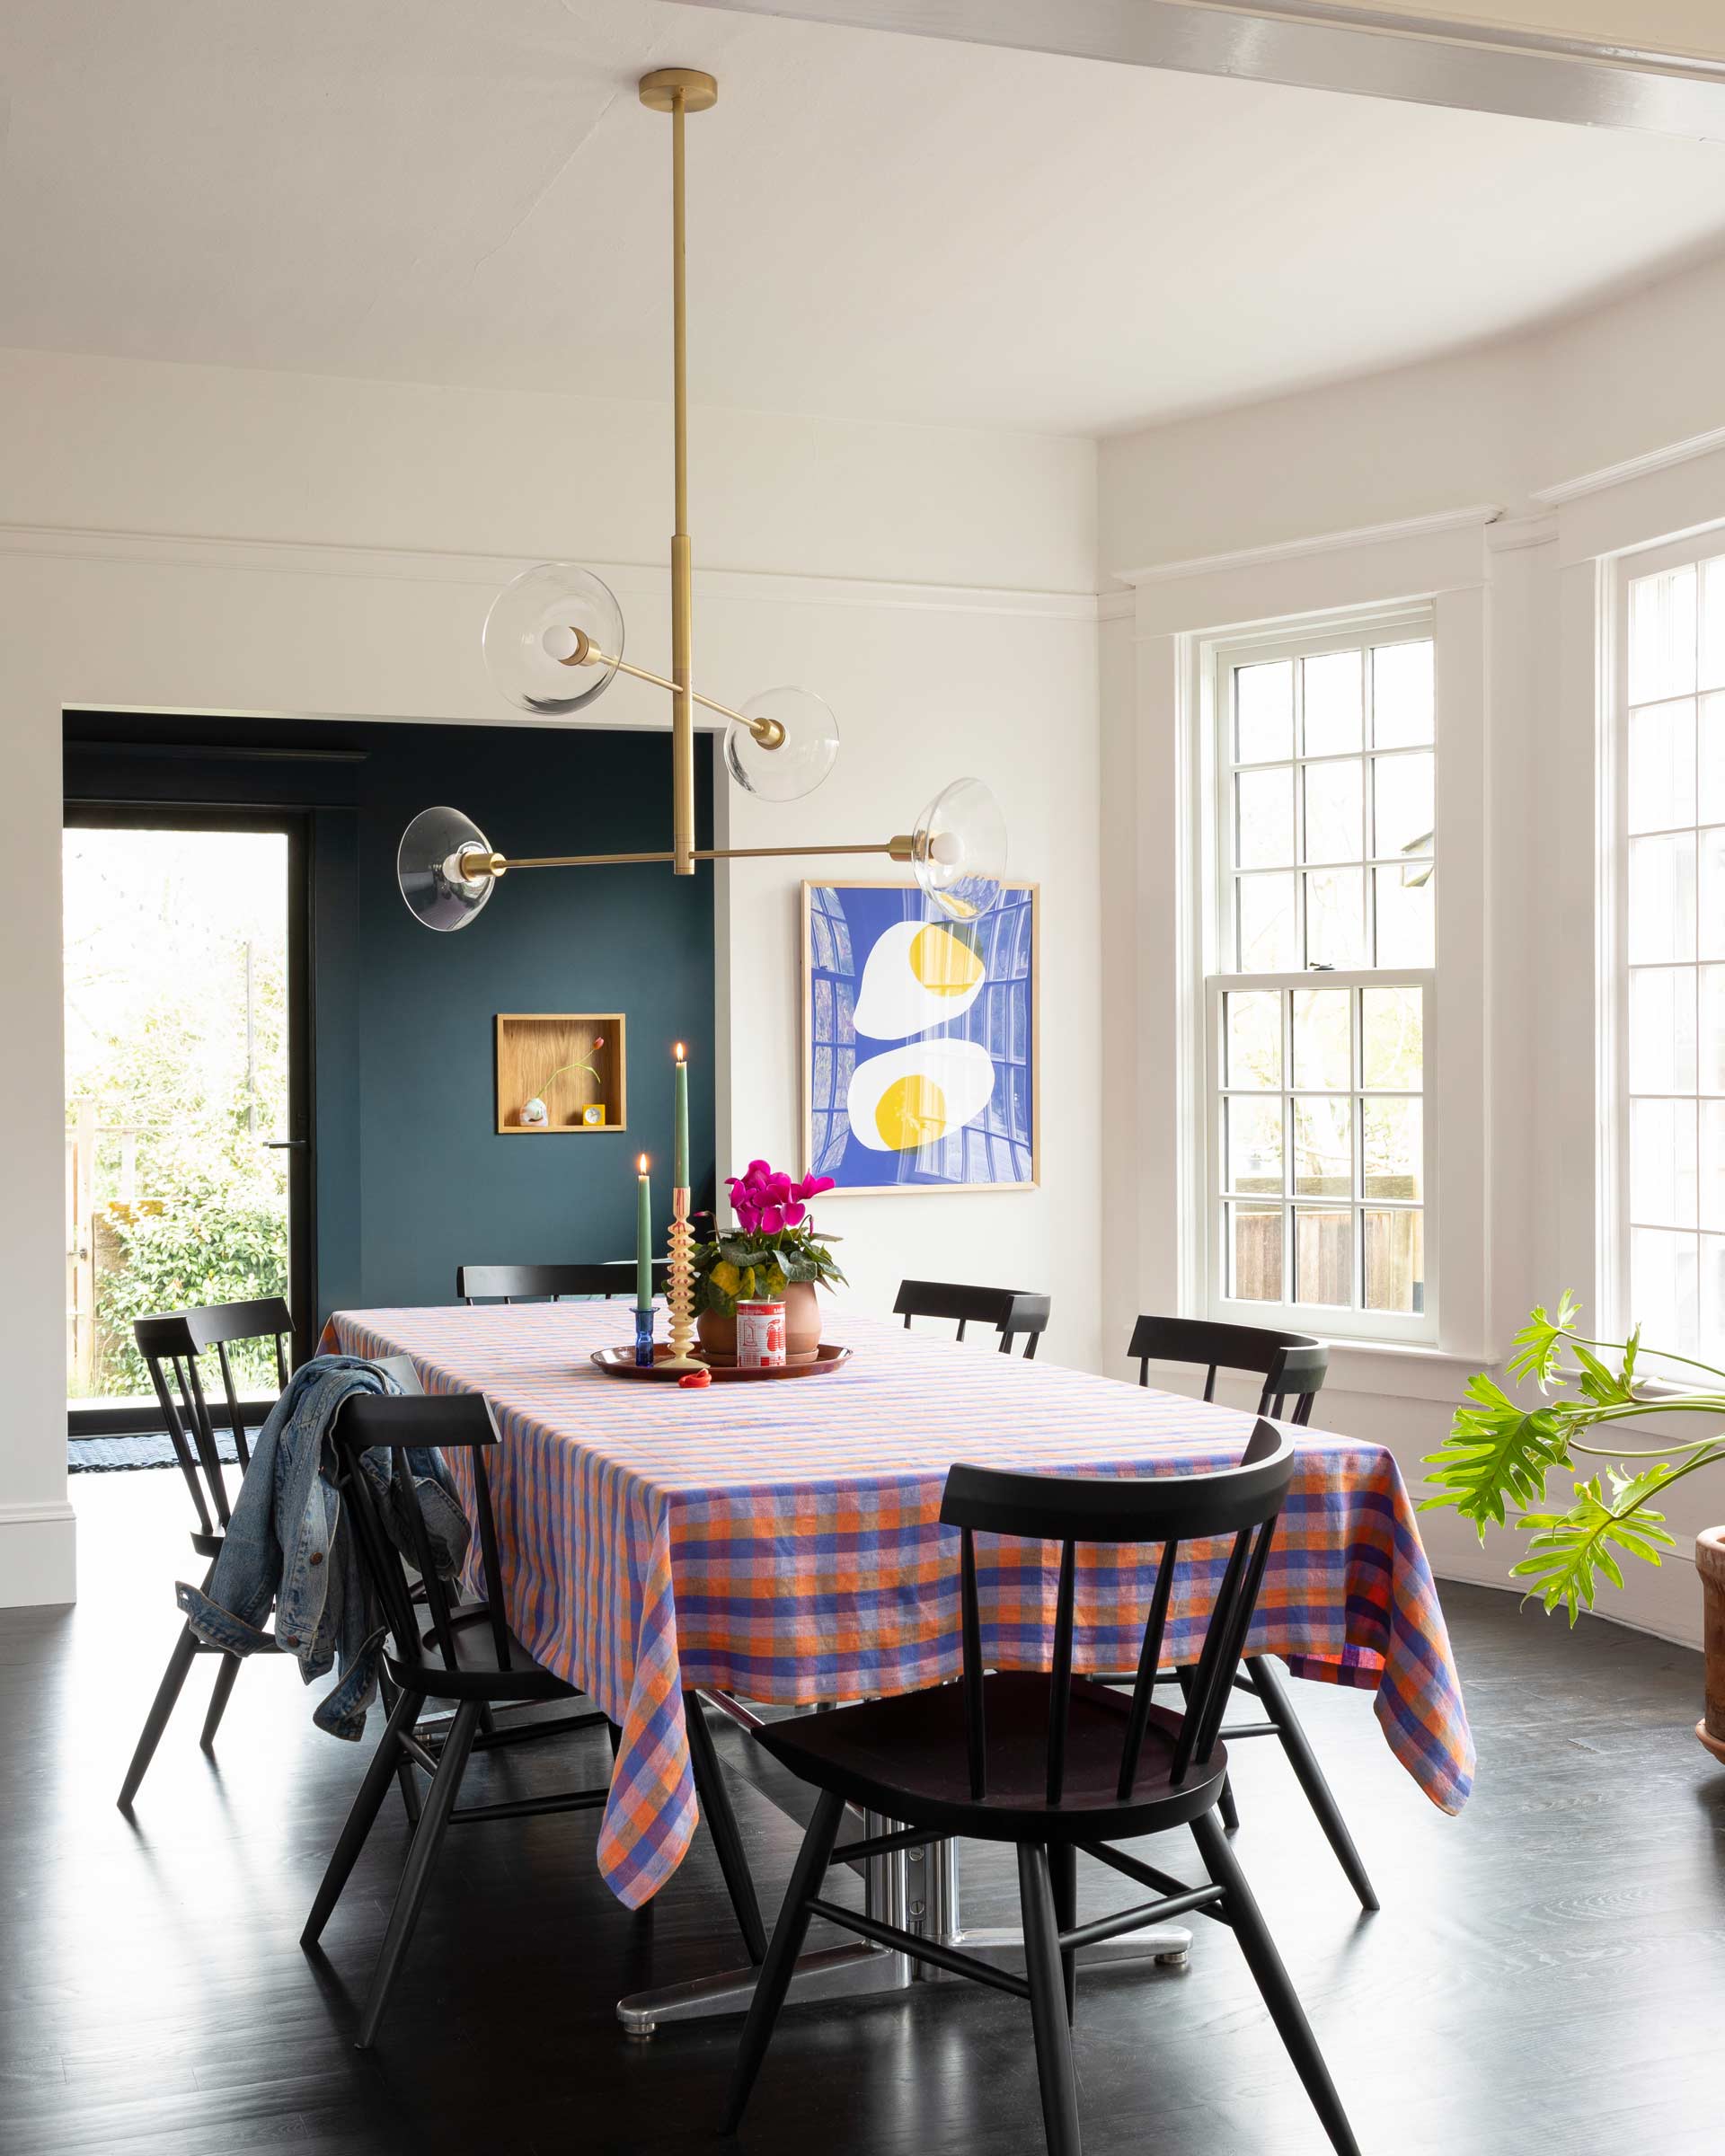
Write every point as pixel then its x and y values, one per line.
pixel 153 1448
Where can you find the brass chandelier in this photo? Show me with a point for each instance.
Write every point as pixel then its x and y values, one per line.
pixel 554 642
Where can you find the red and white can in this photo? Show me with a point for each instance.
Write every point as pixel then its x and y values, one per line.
pixel 760 1335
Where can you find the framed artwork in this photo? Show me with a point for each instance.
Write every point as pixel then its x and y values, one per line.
pixel 920 1040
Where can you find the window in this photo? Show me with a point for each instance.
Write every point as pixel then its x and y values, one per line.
pixel 1319 1008
pixel 1671 920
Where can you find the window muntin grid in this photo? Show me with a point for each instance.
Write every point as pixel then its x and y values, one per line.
pixel 1321 1181
pixel 1672 831
pixel 1328 791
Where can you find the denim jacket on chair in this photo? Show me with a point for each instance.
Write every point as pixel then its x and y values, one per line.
pixel 285 1545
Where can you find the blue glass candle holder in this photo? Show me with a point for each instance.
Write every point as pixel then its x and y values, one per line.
pixel 644 1337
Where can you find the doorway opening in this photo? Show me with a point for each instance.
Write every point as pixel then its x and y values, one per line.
pixel 187 1135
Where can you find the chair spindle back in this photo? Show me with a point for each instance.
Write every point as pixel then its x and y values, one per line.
pixel 171 1342
pixel 1243 1501
pixel 1292 1364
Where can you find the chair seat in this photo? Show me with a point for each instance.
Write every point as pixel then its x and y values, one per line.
pixel 906 1758
pixel 477 1675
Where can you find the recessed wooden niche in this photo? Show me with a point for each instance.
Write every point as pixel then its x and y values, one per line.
pixel 534 1051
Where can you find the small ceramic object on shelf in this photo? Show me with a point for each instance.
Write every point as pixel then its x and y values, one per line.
pixel 593 1114
pixel 533 1113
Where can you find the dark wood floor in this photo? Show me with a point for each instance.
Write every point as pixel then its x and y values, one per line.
pixel 1547 1974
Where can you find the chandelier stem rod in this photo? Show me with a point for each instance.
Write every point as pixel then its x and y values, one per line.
pixel 682 562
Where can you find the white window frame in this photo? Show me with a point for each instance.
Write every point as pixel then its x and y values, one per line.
pixel 1217 656
pixel 1622 570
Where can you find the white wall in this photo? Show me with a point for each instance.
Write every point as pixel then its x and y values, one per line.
pixel 199 539
pixel 1580 442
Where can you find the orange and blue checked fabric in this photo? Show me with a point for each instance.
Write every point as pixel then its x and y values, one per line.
pixel 782 1541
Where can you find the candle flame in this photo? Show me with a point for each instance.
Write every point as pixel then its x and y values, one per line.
pixel 641 1165
pixel 679 1051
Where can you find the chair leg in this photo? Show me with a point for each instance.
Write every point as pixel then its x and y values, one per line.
pixel 1063 1873
pixel 1053 2031
pixel 715 1800
pixel 227 1670
pixel 408 1786
pixel 1271 1979
pixel 614 1735
pixel 788 1935
pixel 361 1816
pixel 416 1876
pixel 185 1652
pixel 1303 1761
pixel 1226 1804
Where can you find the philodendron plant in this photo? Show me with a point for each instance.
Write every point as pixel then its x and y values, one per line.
pixel 1502 1451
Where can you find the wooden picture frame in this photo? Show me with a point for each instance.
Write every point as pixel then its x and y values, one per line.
pixel 818 1147
pixel 530 1044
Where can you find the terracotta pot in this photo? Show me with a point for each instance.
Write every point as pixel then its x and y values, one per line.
pixel 718 1336
pixel 801 1321
pixel 1709 1562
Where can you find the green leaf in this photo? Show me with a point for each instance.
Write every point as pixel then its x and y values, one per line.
pixel 1568 1547
pixel 1538 1343
pixel 1499 1452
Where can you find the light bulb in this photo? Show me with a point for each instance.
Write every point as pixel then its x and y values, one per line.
pixel 959 850
pixel 530 639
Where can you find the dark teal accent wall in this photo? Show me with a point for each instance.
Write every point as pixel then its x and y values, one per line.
pixel 411 1177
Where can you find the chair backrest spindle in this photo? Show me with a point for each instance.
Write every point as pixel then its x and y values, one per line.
pixel 1239 1502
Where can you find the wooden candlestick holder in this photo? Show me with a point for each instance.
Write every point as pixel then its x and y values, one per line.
pixel 680 1294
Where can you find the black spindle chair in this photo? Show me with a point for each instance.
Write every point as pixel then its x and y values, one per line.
pixel 1055 1763
pixel 551 1283
pixel 171 1342
pixel 1011 1310
pixel 1293 1366
pixel 468 1656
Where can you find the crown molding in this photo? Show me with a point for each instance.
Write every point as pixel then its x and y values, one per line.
pixel 486 571
pixel 1631 467
pixel 1477 514
pixel 1510 533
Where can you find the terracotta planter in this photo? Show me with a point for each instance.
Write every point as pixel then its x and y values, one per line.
pixel 718 1336
pixel 1709 1562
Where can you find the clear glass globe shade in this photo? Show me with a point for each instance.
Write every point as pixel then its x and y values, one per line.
pixel 428 868
pixel 802 758
pixel 959 856
pixel 530 642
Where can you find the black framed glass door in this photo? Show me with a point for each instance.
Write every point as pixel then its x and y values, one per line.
pixel 189 1125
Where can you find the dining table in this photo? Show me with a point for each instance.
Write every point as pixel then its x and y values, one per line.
pixel 773 1545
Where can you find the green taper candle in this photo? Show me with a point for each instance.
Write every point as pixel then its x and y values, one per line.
pixel 643 1240
pixel 680 1151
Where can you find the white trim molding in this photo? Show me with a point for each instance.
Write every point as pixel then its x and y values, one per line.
pixel 1630 467
pixel 37 1553
pixel 414 565
pixel 1316 543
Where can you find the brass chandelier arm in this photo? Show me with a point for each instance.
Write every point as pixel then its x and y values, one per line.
pixel 474 866
pixel 769 732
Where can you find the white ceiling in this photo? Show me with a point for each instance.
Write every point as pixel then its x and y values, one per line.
pixel 445 191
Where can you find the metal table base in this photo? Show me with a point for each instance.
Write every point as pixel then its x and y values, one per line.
pixel 915 1890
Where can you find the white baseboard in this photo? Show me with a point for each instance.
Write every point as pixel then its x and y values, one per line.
pixel 39 1555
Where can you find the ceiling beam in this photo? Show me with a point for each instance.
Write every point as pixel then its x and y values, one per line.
pixel 1319 46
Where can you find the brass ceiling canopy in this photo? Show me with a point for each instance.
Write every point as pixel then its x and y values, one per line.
pixel 554 642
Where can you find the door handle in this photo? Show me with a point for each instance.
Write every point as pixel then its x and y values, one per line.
pixel 285 1145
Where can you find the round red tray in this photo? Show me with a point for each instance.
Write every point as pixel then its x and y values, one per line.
pixel 620 1362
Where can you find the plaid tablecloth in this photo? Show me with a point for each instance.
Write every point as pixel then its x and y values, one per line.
pixel 782 1541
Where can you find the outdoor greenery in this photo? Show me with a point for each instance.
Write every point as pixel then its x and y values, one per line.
pixel 1503 1452
pixel 165 934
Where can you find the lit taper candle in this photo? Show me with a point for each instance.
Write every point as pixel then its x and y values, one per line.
pixel 681 1152
pixel 644 1238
